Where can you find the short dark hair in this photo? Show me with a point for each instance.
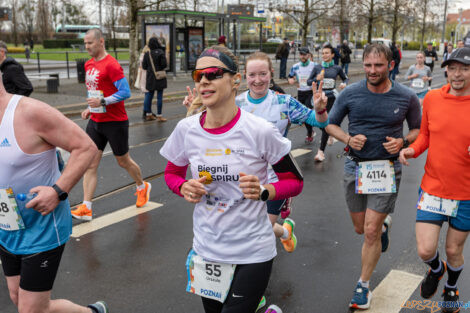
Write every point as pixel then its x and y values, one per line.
pixel 328 46
pixel 378 48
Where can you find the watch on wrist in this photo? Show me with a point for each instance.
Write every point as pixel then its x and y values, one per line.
pixel 263 194
pixel 60 193
pixel 103 102
pixel 406 143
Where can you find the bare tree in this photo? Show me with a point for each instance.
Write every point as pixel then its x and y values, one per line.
pixel 26 13
pixel 367 10
pixel 14 20
pixel 133 7
pixel 306 13
pixel 43 19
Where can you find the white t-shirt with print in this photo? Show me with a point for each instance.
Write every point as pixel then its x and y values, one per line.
pixel 228 228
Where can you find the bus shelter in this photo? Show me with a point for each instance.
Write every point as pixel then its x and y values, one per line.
pixel 183 33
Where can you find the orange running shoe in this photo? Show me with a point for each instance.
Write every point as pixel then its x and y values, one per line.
pixel 82 212
pixel 291 243
pixel 143 195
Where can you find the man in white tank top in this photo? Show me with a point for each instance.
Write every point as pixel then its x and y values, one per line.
pixel 33 233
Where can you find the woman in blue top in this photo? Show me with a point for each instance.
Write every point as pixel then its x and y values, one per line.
pixel 327 72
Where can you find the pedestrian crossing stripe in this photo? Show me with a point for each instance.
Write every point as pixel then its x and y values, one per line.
pixel 112 218
pixel 387 297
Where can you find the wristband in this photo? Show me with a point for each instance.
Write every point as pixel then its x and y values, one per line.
pixel 349 139
pixel 321 112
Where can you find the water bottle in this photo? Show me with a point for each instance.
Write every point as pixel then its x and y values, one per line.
pixel 273 309
pixel 26 197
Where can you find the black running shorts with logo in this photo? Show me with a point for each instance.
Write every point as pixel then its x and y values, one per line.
pixel 248 286
pixel 381 202
pixel 37 271
pixel 116 133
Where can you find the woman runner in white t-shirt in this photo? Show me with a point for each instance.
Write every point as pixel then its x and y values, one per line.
pixel 229 151
pixel 281 110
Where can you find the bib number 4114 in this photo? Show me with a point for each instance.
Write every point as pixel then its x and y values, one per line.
pixel 376 174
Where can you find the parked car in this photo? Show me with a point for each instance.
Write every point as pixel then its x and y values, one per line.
pixel 275 40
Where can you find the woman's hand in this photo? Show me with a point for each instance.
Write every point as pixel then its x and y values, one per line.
pixel 193 190
pixel 190 97
pixel 320 100
pixel 250 186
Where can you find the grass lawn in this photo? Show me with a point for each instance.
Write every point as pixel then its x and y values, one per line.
pixel 59 54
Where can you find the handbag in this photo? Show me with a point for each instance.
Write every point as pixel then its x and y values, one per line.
pixel 137 80
pixel 158 74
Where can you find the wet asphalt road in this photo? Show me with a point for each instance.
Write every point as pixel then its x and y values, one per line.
pixel 138 264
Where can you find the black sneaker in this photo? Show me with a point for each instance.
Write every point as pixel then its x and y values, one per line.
pixel 451 300
pixel 431 281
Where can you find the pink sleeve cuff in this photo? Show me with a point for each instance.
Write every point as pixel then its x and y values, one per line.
pixel 288 186
pixel 175 176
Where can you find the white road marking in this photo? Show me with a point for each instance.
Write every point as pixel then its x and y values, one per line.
pixel 112 218
pixel 393 291
pixel 298 152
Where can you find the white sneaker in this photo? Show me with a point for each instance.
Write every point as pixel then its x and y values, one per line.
pixel 330 141
pixel 320 157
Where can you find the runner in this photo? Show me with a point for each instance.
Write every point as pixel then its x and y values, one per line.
pixel 419 74
pixel 33 233
pixel 430 56
pixel 376 108
pixel 299 73
pixel 229 150
pixel 444 194
pixel 281 110
pixel 107 89
pixel 327 72
pixel 446 56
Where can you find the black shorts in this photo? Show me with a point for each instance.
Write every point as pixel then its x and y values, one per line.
pixel 305 97
pixel 117 133
pixel 248 285
pixel 37 271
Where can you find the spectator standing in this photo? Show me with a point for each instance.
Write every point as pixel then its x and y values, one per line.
pixel 154 62
pixel 14 78
pixel 337 55
pixel 282 53
pixel 396 58
pixel 27 50
pixel 345 53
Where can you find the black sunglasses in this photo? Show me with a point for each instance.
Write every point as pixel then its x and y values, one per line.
pixel 210 73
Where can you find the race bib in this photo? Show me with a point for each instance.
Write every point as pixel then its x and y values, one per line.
pixel 96 94
pixel 428 60
pixel 10 218
pixel 417 83
pixel 328 83
pixel 303 81
pixel 375 177
pixel 208 279
pixel 100 109
pixel 438 205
